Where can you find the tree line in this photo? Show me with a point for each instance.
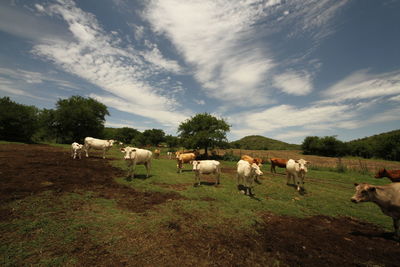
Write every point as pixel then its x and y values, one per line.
pixel 77 117
pixel 384 146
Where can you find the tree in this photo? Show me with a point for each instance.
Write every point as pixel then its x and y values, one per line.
pixel 17 122
pixel 152 137
pixel 203 131
pixel 126 134
pixel 78 117
pixel 47 126
pixel 172 141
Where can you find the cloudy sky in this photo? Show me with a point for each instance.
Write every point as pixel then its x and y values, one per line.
pixel 281 69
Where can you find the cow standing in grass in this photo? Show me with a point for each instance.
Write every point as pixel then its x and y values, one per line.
pixel 247 174
pixel 297 170
pixel 387 197
pixel 201 167
pixel 277 162
pixel 136 156
pixel 98 144
pixel 182 158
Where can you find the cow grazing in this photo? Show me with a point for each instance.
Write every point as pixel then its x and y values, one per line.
pixel 76 150
pixel 387 197
pixel 297 170
pixel 184 158
pixel 98 144
pixel 247 174
pixel 277 162
pixel 201 167
pixel 136 156
pixel 156 153
pixel 393 175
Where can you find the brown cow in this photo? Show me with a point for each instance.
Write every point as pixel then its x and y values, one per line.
pixel 393 175
pixel 277 162
pixel 184 158
pixel 252 160
pixel 387 197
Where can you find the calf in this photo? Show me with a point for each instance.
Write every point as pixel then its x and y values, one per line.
pixel 98 144
pixel 206 167
pixel 297 170
pixel 169 154
pixel 387 197
pixel 277 162
pixel 136 156
pixel 246 175
pixel 184 158
pixel 393 175
pixel 76 150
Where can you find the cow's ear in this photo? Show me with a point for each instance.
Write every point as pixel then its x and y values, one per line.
pixel 296 161
pixel 308 162
pixel 372 189
pixel 122 149
pixel 355 184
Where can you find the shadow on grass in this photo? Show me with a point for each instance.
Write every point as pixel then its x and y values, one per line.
pixel 384 235
pixel 138 176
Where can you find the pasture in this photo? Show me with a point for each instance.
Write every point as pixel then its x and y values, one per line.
pixel 59 211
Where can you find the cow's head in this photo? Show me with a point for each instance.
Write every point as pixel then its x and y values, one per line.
pixel 364 192
pixel 381 173
pixel 111 142
pixel 195 164
pixel 302 165
pixel 129 152
pixel 256 169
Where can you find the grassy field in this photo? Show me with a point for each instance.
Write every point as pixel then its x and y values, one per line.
pixel 49 227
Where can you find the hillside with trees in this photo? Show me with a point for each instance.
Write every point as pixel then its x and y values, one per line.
pixel 384 146
pixel 258 142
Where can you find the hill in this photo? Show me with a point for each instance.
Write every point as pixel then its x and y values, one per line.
pixel 258 142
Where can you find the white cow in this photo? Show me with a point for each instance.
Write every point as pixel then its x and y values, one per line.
pixel 136 156
pixel 76 150
pixel 206 167
pixel 98 144
pixel 246 175
pixel 169 154
pixel 387 197
pixel 297 170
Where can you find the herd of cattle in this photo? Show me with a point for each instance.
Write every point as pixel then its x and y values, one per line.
pixel 387 197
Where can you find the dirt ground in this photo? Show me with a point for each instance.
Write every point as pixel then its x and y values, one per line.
pixel 314 241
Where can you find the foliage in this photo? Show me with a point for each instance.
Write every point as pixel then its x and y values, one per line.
pixel 126 135
pixel 385 146
pixel 203 131
pixel 327 146
pixel 172 141
pixel 257 142
pixel 17 122
pixel 78 117
pixel 151 137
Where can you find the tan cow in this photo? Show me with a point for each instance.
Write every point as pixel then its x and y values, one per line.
pixel 387 197
pixel 184 158
pixel 252 160
pixel 156 153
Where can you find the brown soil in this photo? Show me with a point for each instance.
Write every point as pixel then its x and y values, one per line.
pixel 31 169
pixel 315 241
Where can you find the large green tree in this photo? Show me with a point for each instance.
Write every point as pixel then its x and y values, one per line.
pixel 152 137
pixel 203 131
pixel 78 117
pixel 17 122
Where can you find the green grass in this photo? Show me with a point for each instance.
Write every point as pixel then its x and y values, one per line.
pixel 49 228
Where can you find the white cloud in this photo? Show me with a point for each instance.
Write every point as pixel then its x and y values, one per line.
pixel 294 83
pixel 363 85
pixel 99 58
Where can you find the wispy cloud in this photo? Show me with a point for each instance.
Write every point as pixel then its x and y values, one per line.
pixel 363 85
pixel 294 83
pixel 103 60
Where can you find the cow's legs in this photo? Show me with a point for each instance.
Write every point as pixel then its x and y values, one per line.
pixel 147 165
pixel 396 224
pixel 87 150
pixel 218 176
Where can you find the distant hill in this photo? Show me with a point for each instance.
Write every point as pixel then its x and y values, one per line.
pixel 376 138
pixel 258 142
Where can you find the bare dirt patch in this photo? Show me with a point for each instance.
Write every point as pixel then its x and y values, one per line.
pixel 31 169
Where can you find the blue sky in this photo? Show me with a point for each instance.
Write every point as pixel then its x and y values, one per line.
pixel 281 69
